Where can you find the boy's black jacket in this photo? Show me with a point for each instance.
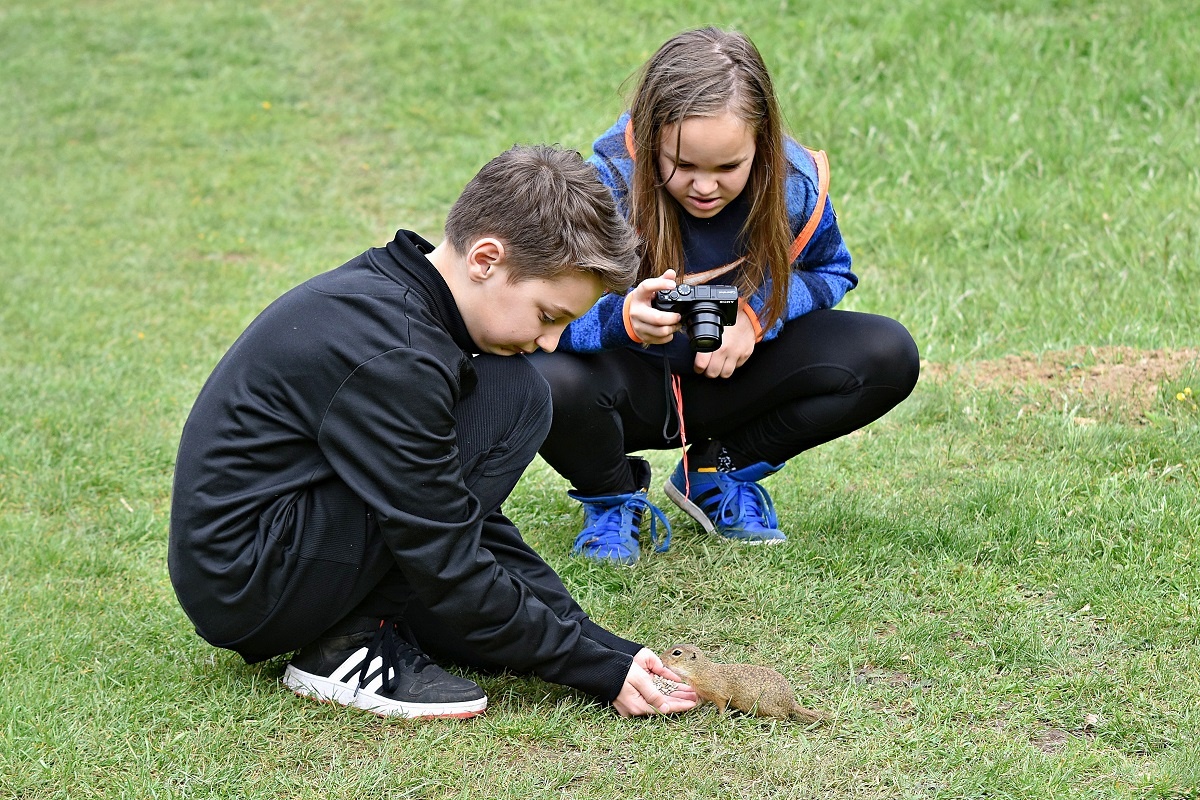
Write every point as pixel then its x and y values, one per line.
pixel 355 373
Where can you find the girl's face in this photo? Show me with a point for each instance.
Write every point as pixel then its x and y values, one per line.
pixel 712 164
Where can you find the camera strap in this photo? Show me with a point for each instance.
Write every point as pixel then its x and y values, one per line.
pixel 697 278
pixel 674 391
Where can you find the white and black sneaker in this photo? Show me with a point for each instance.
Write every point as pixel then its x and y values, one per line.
pixel 381 672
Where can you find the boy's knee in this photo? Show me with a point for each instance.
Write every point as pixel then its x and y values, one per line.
pixel 510 388
pixel 533 385
pixel 538 395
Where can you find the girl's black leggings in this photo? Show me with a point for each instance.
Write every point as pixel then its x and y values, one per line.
pixel 828 373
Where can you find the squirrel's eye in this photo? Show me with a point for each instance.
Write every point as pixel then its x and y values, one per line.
pixel 676 652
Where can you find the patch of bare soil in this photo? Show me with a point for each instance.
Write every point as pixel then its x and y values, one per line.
pixel 869 674
pixel 1102 379
pixel 1051 740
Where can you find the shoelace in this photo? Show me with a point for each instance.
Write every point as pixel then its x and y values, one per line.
pixel 640 503
pixel 388 646
pixel 609 533
pixel 745 497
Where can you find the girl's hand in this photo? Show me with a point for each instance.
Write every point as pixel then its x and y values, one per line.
pixel 651 325
pixel 737 345
pixel 639 697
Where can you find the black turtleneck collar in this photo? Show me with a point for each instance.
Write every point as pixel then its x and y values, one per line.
pixel 714 241
pixel 405 257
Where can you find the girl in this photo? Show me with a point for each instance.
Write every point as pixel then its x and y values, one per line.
pixel 702 168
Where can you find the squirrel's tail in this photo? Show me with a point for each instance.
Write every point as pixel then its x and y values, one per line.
pixel 809 715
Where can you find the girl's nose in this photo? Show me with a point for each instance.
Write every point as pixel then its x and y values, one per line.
pixel 705 184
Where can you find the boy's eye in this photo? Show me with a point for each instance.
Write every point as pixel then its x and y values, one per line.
pixel 549 320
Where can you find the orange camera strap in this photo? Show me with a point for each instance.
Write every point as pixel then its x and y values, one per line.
pixel 677 391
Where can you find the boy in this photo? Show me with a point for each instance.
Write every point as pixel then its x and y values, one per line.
pixel 340 476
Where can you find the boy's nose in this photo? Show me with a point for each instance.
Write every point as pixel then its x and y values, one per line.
pixel 548 341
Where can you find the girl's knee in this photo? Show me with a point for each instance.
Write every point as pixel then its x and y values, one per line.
pixel 894 355
pixel 572 383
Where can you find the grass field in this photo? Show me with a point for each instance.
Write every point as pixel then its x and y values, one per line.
pixel 995 589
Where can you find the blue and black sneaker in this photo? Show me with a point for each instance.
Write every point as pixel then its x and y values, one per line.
pixel 729 504
pixel 612 525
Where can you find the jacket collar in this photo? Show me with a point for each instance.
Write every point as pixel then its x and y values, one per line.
pixel 408 264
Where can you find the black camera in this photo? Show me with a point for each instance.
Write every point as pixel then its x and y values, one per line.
pixel 705 310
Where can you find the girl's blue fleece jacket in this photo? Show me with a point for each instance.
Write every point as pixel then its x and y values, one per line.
pixel 820 276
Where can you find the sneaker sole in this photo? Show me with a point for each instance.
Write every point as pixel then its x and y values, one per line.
pixel 610 562
pixel 320 688
pixel 697 513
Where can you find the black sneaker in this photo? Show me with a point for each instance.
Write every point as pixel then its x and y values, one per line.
pixel 381 672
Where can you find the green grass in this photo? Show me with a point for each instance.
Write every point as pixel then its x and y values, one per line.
pixel 993 601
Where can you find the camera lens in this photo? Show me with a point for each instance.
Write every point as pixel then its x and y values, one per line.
pixel 704 327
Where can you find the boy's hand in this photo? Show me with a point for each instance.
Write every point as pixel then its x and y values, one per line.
pixel 651 325
pixel 640 697
pixel 737 345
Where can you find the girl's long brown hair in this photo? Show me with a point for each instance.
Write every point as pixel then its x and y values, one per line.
pixel 705 73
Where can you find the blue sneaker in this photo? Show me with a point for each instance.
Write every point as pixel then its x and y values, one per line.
pixel 729 504
pixel 611 527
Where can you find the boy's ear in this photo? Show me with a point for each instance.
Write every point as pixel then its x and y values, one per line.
pixel 483 258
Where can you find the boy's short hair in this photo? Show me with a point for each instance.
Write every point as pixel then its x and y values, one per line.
pixel 553 214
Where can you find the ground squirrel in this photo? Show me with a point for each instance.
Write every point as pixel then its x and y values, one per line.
pixel 748 688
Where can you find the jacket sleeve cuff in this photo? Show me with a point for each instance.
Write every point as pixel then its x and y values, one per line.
pixel 592 665
pixel 609 639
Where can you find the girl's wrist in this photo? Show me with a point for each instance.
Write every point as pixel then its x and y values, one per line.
pixel 629 331
pixel 753 318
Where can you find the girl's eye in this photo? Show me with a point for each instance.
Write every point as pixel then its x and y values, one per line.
pixel 547 319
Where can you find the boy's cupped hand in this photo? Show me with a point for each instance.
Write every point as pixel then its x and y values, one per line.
pixel 641 697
